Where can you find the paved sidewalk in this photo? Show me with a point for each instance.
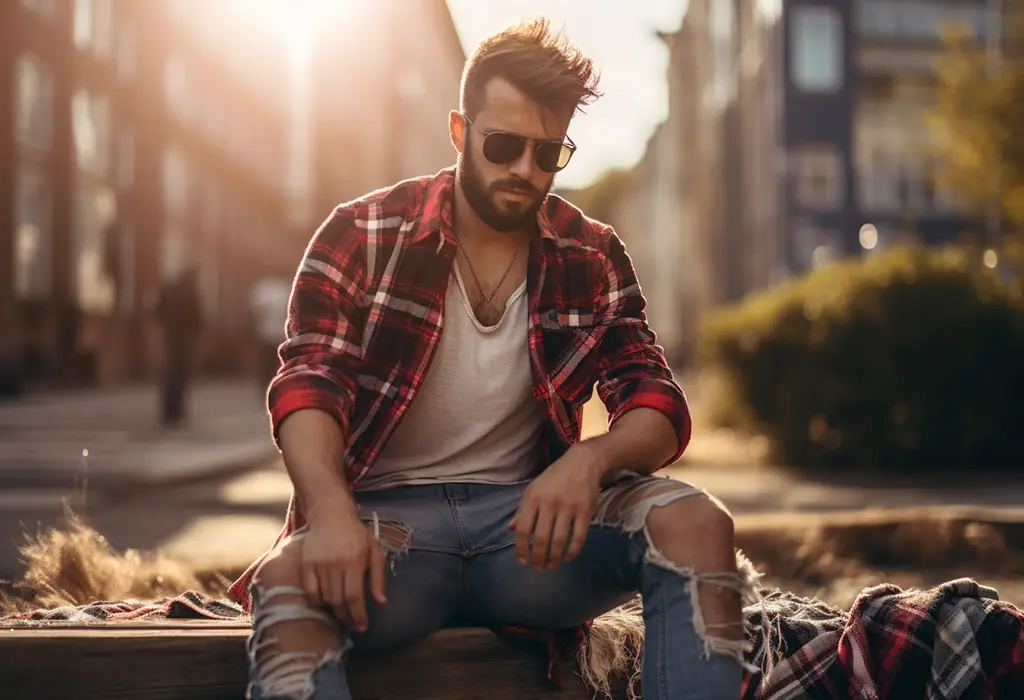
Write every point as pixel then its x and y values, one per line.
pixel 114 437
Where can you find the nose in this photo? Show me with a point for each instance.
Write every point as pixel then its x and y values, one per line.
pixel 524 166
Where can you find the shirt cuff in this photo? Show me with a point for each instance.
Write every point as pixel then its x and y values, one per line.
pixel 296 392
pixel 671 403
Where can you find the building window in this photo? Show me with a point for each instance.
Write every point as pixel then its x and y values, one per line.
pixel 722 36
pixel 920 19
pixel 103 28
pixel 127 48
pixel 83 23
pixel 894 157
pixel 176 87
pixel 33 232
pixel 90 121
pixel 819 177
pixel 44 8
pixel 93 26
pixel 768 11
pixel 817 54
pixel 95 214
pixel 34 103
pixel 175 183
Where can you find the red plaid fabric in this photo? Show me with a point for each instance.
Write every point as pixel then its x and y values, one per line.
pixel 956 641
pixel 367 312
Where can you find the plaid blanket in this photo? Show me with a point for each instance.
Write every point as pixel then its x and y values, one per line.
pixel 953 642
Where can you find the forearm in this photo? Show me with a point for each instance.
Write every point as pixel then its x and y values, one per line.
pixel 313 447
pixel 642 440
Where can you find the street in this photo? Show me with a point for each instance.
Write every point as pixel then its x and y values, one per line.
pixel 219 512
pixel 222 522
pixel 143 484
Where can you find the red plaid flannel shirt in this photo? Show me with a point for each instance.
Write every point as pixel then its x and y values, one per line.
pixel 366 316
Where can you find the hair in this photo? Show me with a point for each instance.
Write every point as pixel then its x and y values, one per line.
pixel 542 64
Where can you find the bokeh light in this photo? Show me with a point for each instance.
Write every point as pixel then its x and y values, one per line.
pixel 868 236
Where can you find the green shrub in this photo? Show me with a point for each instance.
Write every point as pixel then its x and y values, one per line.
pixel 911 359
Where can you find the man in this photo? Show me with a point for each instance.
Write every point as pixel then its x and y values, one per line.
pixel 443 337
pixel 180 310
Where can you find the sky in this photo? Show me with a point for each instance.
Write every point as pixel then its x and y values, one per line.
pixel 620 36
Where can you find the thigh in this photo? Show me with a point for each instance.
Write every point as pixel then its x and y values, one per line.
pixel 501 591
pixel 414 524
pixel 605 574
pixel 424 592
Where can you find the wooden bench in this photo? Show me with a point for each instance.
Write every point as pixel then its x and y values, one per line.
pixel 207 660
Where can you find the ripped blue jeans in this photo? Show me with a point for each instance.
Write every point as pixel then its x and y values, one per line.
pixel 454 564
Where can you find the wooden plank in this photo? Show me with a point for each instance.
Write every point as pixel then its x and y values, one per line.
pixel 112 661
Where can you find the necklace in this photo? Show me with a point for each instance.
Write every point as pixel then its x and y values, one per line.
pixel 485 298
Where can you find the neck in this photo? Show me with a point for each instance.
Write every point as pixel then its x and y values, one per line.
pixel 469 227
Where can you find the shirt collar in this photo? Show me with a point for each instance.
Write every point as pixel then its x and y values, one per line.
pixel 436 210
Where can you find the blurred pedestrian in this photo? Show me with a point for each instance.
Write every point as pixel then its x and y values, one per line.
pixel 180 311
pixel 269 300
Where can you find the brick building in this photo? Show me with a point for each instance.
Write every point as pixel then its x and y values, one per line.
pixel 133 147
pixel 146 134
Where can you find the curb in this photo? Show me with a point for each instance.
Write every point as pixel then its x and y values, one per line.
pixel 161 472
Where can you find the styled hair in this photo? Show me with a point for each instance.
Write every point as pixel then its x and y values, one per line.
pixel 542 64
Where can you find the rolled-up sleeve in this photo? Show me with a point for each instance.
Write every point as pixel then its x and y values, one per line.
pixel 633 372
pixel 322 350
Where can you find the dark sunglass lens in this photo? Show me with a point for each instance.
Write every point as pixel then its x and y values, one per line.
pixel 552 157
pixel 503 148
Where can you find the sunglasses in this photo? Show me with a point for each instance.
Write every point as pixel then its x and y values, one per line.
pixel 502 148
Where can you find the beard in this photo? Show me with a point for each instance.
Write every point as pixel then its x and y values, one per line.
pixel 482 197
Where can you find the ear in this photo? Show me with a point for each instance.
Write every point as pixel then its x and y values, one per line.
pixel 457 130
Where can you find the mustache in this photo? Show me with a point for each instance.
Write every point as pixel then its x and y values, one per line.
pixel 515 184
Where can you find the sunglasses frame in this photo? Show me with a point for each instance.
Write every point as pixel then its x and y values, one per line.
pixel 537 143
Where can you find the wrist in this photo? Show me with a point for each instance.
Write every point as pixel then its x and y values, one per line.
pixel 332 505
pixel 596 457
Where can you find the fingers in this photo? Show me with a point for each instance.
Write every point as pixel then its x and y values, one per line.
pixel 524 521
pixel 559 539
pixel 580 528
pixel 332 585
pixel 378 574
pixel 355 598
pixel 311 584
pixel 542 537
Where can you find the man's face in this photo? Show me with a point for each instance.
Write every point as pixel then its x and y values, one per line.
pixel 507 196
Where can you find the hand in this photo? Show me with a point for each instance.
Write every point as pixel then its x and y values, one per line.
pixel 337 554
pixel 564 496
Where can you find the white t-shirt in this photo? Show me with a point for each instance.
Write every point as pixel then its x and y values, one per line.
pixel 475 418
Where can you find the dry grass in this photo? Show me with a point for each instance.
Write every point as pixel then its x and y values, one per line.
pixel 831 558
pixel 834 557
pixel 75 565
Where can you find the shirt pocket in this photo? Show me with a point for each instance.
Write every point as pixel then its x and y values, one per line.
pixel 571 339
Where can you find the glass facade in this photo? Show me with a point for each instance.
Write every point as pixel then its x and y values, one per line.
pixel 817 55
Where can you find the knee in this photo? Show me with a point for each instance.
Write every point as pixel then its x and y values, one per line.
pixel 283 566
pixel 694 524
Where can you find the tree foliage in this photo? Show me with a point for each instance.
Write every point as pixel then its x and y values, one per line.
pixel 978 122
pixel 599 199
